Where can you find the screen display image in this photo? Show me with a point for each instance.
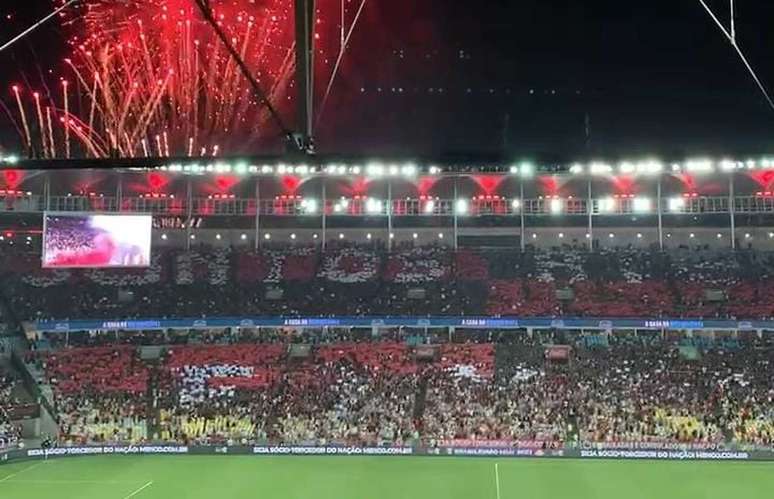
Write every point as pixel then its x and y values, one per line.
pixel 82 240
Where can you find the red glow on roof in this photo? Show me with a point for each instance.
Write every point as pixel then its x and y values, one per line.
pixel 688 180
pixel 225 182
pixel 549 185
pixel 624 184
pixel 157 181
pixel 488 183
pixel 425 184
pixel 12 178
pixel 290 183
pixel 764 178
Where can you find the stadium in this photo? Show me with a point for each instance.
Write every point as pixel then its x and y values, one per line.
pixel 177 322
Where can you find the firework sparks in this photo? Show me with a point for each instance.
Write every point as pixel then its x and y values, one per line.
pixel 150 77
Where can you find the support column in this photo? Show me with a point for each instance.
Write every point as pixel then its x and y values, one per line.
pixel 731 210
pixel 47 192
pixel 590 210
pixel 660 211
pixel 257 233
pixel 324 207
pixel 304 17
pixel 522 220
pixel 119 193
pixel 189 212
pixel 456 217
pixel 389 215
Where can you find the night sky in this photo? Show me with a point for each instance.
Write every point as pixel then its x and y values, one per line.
pixel 522 78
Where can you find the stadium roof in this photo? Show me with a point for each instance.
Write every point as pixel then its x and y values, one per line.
pixel 394 166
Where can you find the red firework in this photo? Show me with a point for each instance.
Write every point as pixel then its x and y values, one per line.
pixel 151 78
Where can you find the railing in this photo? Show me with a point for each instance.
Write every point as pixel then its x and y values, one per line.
pixel 359 207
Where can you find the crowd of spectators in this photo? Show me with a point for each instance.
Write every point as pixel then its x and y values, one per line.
pixel 69 234
pixel 493 387
pixel 431 280
pixel 9 433
pixel 99 393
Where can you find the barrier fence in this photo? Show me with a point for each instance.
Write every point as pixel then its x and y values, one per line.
pixel 581 452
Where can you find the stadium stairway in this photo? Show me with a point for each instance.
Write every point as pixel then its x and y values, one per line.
pixel 152 408
pixel 420 399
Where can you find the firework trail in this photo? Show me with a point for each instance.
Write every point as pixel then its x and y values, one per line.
pixel 150 78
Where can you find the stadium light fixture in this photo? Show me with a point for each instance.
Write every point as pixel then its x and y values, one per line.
pixel 461 207
pixel 392 235
pixel 267 236
pixel 720 235
pixel 576 169
pixel 527 170
pixel 244 237
pixel 293 236
pixel 606 205
pixel 373 206
pixel 650 167
pixel 691 235
pixel 639 235
pixel 641 205
pixel 415 235
pixel 368 236
pixel 600 169
pixel 561 235
pixel 218 237
pixel 341 236
pixel 676 204
pixel 515 204
pixel 699 166
pixel 627 167
pixel 747 236
pixel 309 206
pixel 727 165
pixel 440 235
pixel 375 170
pixel 555 206
pixel 611 235
pixel 429 207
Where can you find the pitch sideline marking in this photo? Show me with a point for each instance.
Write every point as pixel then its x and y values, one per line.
pixel 497 479
pixel 20 472
pixel 139 490
pixel 65 482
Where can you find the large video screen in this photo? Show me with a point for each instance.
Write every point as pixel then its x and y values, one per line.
pixel 87 240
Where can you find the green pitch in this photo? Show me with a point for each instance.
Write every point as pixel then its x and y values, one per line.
pixel 214 477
